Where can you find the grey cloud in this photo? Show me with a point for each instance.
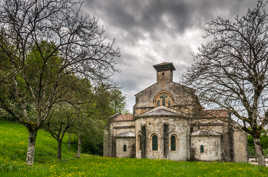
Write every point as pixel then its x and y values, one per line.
pixel 139 16
pixel 148 15
pixel 153 31
pixel 133 75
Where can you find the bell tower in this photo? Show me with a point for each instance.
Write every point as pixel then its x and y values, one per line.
pixel 164 72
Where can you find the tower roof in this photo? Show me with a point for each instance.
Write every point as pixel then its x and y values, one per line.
pixel 164 66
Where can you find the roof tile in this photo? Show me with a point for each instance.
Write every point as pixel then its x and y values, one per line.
pixel 216 113
pixel 123 117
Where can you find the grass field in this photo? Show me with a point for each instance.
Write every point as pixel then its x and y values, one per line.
pixel 13 144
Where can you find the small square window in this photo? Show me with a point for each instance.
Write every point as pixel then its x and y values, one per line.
pixel 125 148
pixel 201 148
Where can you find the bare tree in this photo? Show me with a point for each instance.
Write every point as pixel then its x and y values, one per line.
pixel 230 70
pixel 76 38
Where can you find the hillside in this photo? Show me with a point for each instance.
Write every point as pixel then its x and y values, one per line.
pixel 13 144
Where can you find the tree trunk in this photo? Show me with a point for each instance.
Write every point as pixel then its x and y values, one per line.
pixel 59 149
pixel 78 146
pixel 259 152
pixel 31 145
pixel 69 141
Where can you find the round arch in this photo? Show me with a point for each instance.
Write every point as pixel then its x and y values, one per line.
pixel 163 98
pixel 173 142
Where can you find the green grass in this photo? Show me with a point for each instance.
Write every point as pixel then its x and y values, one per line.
pixel 13 144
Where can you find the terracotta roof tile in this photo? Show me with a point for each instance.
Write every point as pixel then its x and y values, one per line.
pixel 215 113
pixel 123 117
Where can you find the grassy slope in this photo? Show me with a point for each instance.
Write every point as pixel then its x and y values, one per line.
pixel 13 143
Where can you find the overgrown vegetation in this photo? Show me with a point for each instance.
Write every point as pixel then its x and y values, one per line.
pixel 264 144
pixel 47 49
pixel 13 145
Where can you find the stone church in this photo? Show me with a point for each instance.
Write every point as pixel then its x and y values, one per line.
pixel 168 122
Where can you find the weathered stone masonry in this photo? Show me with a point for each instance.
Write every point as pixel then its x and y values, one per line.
pixel 168 122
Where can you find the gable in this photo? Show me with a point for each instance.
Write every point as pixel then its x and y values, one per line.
pixel 160 111
pixel 180 94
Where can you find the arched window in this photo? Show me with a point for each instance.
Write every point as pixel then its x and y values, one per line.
pixel 201 148
pixel 154 143
pixel 125 148
pixel 163 98
pixel 173 142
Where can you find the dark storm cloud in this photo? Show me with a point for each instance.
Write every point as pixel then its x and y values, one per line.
pixel 150 15
pixel 153 31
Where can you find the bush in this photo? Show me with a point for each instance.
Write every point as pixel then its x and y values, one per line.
pixel 92 144
pixel 6 116
pixel 264 144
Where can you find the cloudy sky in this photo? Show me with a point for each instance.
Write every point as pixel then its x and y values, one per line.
pixel 152 31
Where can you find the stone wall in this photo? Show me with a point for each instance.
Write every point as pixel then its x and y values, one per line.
pixel 106 144
pixel 222 127
pixel 164 76
pixel 212 148
pixel 210 125
pixel 154 126
pixel 117 128
pixel 240 140
pixel 129 149
pixel 114 129
pixel 184 99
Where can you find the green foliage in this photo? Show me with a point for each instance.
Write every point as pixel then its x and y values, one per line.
pixel 104 103
pixel 117 100
pixel 39 62
pixel 43 62
pixel 91 106
pixel 62 118
pixel 264 141
pixel 92 141
pixel 5 116
pixel 29 84
pixel 264 144
pixel 40 80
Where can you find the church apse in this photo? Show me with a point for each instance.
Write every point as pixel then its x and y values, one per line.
pixel 168 122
